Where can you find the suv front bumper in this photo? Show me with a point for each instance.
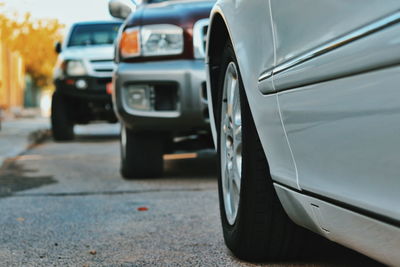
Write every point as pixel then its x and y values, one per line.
pixel 89 103
pixel 95 87
pixel 179 98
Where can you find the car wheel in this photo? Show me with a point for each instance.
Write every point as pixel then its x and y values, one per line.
pixel 62 125
pixel 141 154
pixel 255 226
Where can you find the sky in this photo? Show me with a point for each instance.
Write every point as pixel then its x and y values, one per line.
pixel 67 11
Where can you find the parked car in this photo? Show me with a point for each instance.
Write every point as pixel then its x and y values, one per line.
pixel 84 69
pixel 304 107
pixel 160 82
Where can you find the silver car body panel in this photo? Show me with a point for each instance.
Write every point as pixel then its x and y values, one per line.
pixel 335 133
pixel 382 48
pixel 377 239
pixel 301 25
pixel 255 55
pixel 377 40
pixel 345 138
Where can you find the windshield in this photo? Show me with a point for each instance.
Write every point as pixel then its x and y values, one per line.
pixel 155 1
pixel 94 34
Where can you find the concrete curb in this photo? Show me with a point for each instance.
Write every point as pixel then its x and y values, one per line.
pixel 37 137
pixel 33 139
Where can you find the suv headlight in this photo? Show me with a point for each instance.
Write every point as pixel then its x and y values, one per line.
pixel 75 68
pixel 152 40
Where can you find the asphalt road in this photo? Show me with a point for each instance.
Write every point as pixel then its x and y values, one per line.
pixel 65 204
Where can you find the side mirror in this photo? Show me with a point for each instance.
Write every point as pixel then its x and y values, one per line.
pixel 58 48
pixel 121 9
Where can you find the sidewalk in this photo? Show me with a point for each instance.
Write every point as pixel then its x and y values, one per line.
pixel 17 134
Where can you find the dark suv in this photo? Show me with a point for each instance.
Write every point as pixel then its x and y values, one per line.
pixel 83 71
pixel 160 82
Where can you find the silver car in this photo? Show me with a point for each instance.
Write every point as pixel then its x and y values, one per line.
pixel 305 112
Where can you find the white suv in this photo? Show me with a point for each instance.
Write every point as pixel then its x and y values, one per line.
pixel 83 71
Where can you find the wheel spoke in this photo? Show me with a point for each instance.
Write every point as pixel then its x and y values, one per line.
pixel 227 124
pixel 235 98
pixel 235 196
pixel 229 96
pixel 123 141
pixel 237 180
pixel 238 135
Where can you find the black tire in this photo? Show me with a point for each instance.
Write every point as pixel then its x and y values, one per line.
pixel 141 154
pixel 262 231
pixel 62 125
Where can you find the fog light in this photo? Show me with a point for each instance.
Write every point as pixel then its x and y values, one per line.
pixel 81 84
pixel 138 97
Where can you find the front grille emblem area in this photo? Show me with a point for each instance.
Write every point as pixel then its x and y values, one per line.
pixel 200 38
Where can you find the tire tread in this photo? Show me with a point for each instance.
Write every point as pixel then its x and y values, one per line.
pixel 62 125
pixel 143 155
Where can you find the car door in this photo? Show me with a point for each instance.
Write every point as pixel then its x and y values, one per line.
pixel 252 40
pixel 337 77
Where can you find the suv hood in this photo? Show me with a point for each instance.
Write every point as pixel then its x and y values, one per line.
pixel 99 52
pixel 178 12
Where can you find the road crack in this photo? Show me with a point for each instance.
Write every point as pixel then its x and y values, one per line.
pixel 99 193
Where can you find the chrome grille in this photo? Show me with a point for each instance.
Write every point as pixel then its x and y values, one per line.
pixel 102 66
pixel 200 38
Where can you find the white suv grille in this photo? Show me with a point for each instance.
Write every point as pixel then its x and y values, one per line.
pixel 102 67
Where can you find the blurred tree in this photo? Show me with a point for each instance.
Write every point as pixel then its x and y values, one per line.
pixel 34 39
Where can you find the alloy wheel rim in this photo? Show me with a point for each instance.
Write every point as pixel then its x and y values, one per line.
pixel 123 140
pixel 231 143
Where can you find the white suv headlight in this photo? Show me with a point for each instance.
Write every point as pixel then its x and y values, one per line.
pixel 152 40
pixel 75 68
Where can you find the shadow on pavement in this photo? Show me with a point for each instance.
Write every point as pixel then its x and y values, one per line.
pixel 325 251
pixel 14 177
pixel 318 251
pixel 95 138
pixel 204 165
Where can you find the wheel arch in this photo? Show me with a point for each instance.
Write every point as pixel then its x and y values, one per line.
pixel 218 35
